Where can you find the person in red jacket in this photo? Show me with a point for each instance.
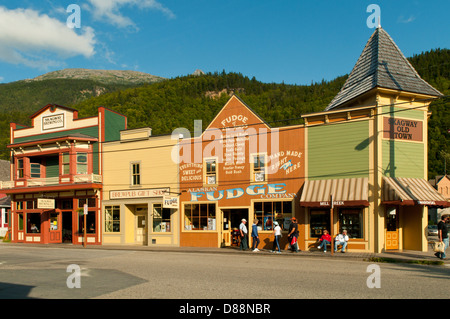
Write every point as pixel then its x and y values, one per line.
pixel 324 241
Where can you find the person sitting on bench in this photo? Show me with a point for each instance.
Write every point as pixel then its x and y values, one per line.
pixel 341 239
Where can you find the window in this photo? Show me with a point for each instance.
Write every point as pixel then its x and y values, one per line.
pixel 19 205
pixel 82 167
pixel 65 164
pixel 351 220
pixel 267 212
pixel 31 204
pixel 259 170
pixel 135 174
pixel 20 169
pixel 20 226
pixel 35 170
pixel 200 217
pixel 34 223
pixel 319 220
pixel 112 219
pixel 161 219
pixel 211 176
pixel 90 222
pixel 89 201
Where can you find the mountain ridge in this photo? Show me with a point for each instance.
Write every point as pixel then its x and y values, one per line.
pixel 102 76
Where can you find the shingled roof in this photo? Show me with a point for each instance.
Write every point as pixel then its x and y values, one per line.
pixel 383 65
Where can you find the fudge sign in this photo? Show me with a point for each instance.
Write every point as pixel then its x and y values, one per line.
pixel 402 129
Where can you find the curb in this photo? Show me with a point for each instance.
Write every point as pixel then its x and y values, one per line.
pixel 428 259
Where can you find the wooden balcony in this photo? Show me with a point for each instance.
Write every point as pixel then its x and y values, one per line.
pixel 52 181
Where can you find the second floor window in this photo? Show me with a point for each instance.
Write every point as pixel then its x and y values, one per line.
pixel 82 167
pixel 65 164
pixel 135 174
pixel 259 174
pixel 20 168
pixel 211 176
pixel 35 170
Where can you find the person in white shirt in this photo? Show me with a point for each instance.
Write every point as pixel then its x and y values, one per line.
pixel 341 239
pixel 277 234
pixel 243 231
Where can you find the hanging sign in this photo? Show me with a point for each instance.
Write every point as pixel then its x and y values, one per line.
pixel 170 202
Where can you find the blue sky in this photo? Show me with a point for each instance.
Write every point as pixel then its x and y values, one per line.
pixel 294 41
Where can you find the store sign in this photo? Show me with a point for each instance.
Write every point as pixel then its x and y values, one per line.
pixel 269 191
pixel 335 203
pixel 402 129
pixel 53 122
pixel 45 203
pixel 138 193
pixel 170 202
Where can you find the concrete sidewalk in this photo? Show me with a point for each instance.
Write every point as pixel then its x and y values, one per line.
pixel 406 256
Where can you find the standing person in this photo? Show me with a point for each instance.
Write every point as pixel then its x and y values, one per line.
pixel 255 236
pixel 243 231
pixel 277 234
pixel 325 240
pixel 443 235
pixel 293 234
pixel 341 239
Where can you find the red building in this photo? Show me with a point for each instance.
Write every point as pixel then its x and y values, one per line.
pixel 56 171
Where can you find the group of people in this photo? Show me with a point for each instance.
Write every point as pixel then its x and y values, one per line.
pixel 340 240
pixel 292 235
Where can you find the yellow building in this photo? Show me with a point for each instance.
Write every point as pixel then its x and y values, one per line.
pixel 369 152
pixel 138 176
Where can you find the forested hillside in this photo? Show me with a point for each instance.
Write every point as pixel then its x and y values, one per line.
pixel 177 102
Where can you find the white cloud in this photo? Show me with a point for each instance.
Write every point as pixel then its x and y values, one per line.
pixel 39 41
pixel 402 19
pixel 109 10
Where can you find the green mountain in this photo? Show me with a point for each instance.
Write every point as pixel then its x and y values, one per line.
pixel 177 102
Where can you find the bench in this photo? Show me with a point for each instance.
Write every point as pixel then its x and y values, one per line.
pixel 314 245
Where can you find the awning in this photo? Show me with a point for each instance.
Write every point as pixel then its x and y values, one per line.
pixel 345 192
pixel 411 191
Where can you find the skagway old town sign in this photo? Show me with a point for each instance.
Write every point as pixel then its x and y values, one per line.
pixel 402 129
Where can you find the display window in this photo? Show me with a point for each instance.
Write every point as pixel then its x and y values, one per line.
pixel 319 220
pixel 352 221
pixel 90 222
pixel 161 219
pixel 200 216
pixel 112 219
pixel 268 212
pixel 33 223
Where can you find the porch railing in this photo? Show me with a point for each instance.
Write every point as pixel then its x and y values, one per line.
pixel 52 181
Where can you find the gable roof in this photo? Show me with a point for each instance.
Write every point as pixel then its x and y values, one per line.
pixel 381 64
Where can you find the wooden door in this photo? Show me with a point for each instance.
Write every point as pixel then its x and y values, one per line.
pixel 226 229
pixel 141 229
pixel 392 238
pixel 55 232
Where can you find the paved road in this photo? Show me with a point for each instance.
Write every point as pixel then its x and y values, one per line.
pixel 31 272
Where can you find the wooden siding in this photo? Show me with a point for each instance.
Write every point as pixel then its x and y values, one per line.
pixel 338 150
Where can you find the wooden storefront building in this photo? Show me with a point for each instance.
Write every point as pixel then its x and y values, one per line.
pixel 56 175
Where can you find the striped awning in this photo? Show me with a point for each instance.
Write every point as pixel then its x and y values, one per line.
pixel 411 191
pixel 344 192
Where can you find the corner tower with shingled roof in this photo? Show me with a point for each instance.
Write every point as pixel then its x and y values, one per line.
pixel 373 136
